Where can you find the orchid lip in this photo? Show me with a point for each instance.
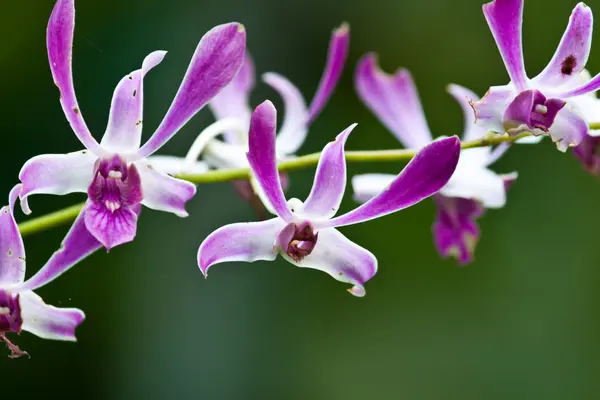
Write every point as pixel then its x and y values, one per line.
pixel 10 312
pixel 298 240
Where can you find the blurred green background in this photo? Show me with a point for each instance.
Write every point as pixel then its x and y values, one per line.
pixel 521 322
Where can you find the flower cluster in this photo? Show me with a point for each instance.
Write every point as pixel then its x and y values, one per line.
pixel 120 175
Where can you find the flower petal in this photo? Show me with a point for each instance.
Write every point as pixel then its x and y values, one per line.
pixel 163 192
pixel 233 100
pixel 59 40
pixel 247 242
pixel 569 128
pixel 124 131
pixel 427 173
pixel 465 98
pixel 174 165
pixel 522 112
pixel 455 231
pixel 394 100
pixel 342 259
pixel 588 152
pixel 262 157
pixel 111 227
pixel 505 18
pixel 330 179
pixel 588 87
pixel 77 245
pixel 295 123
pixel 336 58
pixel 473 181
pixel 367 186
pixel 573 51
pixel 56 174
pixel 12 250
pixel 223 155
pixel 489 111
pixel 216 61
pixel 46 321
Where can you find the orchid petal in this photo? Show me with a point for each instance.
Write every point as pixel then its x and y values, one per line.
pixel 455 231
pixel 367 186
pixel 330 179
pixel 78 244
pixel 425 174
pixel 588 87
pixel 12 250
pixel 465 98
pixel 224 155
pixel 342 259
pixel 489 111
pixel 394 100
pixel 59 40
pixel 174 165
pixel 262 157
pixel 124 131
pixel 588 152
pixel 248 242
pixel 46 321
pixel 523 111
pixel 569 129
pixel 478 183
pixel 216 61
pixel 233 100
pixel 336 58
pixel 573 51
pixel 57 174
pixel 163 192
pixel 295 123
pixel 110 227
pixel 505 18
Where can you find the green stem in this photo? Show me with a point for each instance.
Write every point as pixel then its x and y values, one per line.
pixel 68 214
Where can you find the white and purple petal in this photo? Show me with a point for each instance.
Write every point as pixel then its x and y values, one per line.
pixel 569 128
pixel 262 157
pixel 530 110
pixel 588 152
pixel 394 100
pixel 342 259
pixel 330 179
pixel 110 227
pixel 46 321
pixel 367 186
pixel 337 54
pixel 56 174
pixel 163 192
pixel 425 174
pixel 247 242
pixel 124 131
pixel 465 98
pixel 12 250
pixel 505 19
pixel 174 165
pixel 216 61
pixel 59 40
pixel 295 122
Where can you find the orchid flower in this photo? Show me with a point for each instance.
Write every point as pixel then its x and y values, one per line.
pixel 115 172
pixel 543 105
pixel 20 308
pixel 472 187
pixel 305 234
pixel 232 111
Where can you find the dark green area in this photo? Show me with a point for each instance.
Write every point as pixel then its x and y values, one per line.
pixel 522 322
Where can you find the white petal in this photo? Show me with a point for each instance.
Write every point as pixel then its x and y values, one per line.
pixel 471 181
pixel 367 186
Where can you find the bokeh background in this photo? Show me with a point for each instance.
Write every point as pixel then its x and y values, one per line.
pixel 521 322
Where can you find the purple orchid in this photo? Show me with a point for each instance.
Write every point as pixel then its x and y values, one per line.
pixel 20 308
pixel 232 111
pixel 115 172
pixel 545 104
pixel 472 187
pixel 305 234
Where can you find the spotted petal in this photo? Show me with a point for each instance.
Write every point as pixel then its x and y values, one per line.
pixel 341 258
pixel 573 51
pixel 59 40
pixel 12 250
pixel 262 158
pixel 46 321
pixel 336 58
pixel 427 173
pixel 124 131
pixel 163 192
pixel 247 242
pixel 110 227
pixel 56 174
pixel 505 19
pixel 330 179
pixel 217 60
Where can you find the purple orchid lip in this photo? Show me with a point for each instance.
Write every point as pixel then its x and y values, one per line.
pixel 302 241
pixel 10 312
pixel 531 108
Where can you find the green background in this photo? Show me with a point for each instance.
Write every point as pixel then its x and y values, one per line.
pixel 521 322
